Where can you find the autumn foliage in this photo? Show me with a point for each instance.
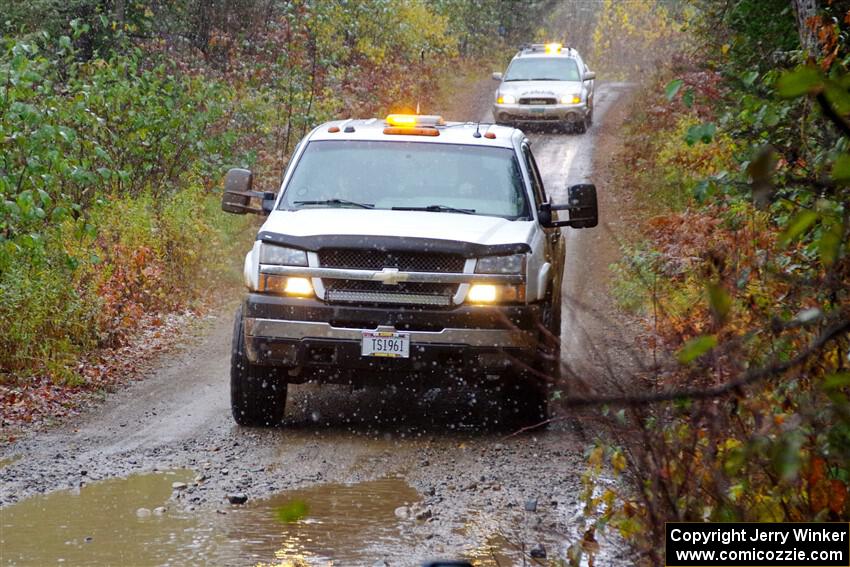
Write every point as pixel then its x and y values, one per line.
pixel 740 278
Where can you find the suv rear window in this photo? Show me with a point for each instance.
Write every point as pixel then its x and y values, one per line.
pixel 486 180
pixel 542 69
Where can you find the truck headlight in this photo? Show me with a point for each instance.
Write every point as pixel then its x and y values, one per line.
pixel 506 99
pixel 482 293
pixel 571 99
pixel 514 264
pixel 490 293
pixel 282 256
pixel 286 285
pixel 273 255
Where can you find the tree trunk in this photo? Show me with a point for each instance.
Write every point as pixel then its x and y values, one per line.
pixel 806 9
pixel 119 11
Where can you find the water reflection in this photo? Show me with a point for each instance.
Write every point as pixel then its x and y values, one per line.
pixel 344 525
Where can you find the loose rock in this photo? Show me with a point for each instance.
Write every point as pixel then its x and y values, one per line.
pixel 237 498
pixel 178 485
pixel 531 505
pixel 402 512
pixel 160 510
pixel 538 552
pixel 143 512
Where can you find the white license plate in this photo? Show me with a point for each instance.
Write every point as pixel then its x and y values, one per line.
pixel 538 110
pixel 386 344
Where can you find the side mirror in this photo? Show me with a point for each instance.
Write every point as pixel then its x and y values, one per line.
pixel 582 207
pixel 497 76
pixel 238 193
pixel 544 213
pixel 589 76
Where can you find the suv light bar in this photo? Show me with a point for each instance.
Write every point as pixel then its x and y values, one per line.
pixel 415 120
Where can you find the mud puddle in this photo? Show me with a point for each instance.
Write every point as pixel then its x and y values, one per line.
pixel 329 524
pixel 121 521
pixel 498 551
pixel 96 524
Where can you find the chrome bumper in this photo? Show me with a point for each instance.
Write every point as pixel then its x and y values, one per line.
pixel 298 330
pixel 528 113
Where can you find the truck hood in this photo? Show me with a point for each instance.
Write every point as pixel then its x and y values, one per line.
pixel 472 229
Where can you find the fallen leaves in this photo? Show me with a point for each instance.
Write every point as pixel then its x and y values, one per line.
pixel 41 401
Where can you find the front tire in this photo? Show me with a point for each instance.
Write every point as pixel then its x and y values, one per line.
pixel 526 394
pixel 549 355
pixel 257 395
pixel 580 127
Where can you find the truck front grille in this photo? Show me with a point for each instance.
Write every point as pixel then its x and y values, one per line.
pixel 537 100
pixel 405 293
pixel 379 259
pixel 345 296
pixel 412 293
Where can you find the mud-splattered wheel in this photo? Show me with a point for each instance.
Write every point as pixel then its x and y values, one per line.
pixel 526 392
pixel 549 353
pixel 581 126
pixel 257 395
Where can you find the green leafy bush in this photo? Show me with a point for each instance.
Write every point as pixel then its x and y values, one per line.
pixel 102 179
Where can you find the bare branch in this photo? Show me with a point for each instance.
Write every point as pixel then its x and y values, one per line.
pixel 831 333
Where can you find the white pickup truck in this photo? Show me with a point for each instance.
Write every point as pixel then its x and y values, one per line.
pixel 409 251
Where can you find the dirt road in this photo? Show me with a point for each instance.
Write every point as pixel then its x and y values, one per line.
pixel 366 462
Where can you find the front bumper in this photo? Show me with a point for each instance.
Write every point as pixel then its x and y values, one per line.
pixel 515 113
pixel 307 333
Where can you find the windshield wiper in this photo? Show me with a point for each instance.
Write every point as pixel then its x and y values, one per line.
pixel 336 202
pixel 436 209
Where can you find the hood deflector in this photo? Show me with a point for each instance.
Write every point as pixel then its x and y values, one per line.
pixel 394 243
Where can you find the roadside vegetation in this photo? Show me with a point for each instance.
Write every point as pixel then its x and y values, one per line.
pixel 738 150
pixel 118 119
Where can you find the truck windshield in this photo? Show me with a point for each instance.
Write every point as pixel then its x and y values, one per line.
pixel 408 175
pixel 542 69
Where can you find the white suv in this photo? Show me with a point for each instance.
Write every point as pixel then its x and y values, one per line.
pixel 398 249
pixel 546 83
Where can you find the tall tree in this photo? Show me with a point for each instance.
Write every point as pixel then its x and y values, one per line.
pixel 805 10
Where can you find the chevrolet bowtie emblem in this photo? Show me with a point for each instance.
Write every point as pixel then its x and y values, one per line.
pixel 390 276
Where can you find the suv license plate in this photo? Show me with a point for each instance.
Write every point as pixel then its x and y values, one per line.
pixel 537 109
pixel 390 345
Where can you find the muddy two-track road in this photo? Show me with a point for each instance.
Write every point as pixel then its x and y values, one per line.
pixel 353 456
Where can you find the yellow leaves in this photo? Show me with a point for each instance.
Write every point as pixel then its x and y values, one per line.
pixel 596 456
pixel 618 461
pixel 627 31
